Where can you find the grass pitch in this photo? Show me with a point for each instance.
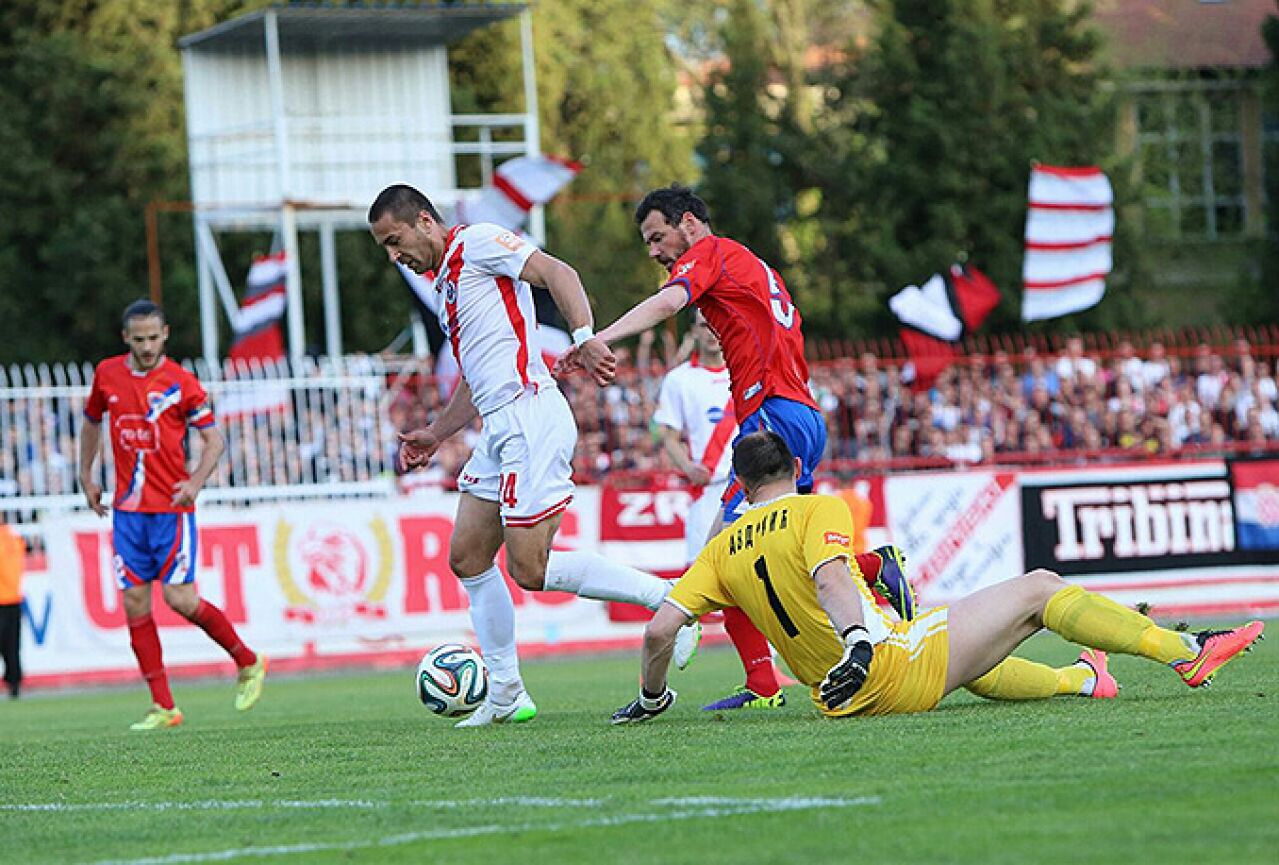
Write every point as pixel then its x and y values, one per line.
pixel 352 769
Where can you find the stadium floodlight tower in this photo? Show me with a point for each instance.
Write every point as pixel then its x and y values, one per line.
pixel 298 114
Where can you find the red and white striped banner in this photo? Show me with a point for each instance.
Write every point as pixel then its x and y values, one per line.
pixel 1070 221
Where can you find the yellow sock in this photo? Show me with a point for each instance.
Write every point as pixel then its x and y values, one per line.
pixel 1016 679
pixel 1071 680
pixel 1094 620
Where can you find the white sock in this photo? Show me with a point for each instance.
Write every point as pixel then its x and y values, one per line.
pixel 590 575
pixel 493 617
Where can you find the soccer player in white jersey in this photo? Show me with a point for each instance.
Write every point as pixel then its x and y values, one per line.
pixel 518 481
pixel 696 405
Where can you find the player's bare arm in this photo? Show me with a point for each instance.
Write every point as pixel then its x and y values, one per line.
pixel 839 598
pixel 419 445
pixel 659 642
pixel 651 311
pixel 565 286
pixel 673 440
pixel 212 446
pixel 90 444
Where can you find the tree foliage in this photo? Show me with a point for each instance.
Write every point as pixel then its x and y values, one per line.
pixel 924 142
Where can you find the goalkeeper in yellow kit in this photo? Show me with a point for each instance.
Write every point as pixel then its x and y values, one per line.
pixel 785 563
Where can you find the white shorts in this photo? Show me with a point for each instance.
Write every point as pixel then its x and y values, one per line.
pixel 702 514
pixel 524 458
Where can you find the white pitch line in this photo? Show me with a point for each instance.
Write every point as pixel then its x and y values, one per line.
pixel 722 808
pixel 304 804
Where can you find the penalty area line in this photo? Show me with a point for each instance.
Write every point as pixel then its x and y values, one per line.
pixel 714 807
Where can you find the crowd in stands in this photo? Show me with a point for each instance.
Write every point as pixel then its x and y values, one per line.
pixel 984 409
pixel 1002 407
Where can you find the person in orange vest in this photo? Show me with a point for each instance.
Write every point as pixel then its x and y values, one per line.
pixel 13 552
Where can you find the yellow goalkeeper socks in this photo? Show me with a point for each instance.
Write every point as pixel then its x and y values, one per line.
pixel 1096 621
pixel 1016 679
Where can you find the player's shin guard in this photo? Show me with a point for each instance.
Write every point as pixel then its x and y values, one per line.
pixel 590 575
pixel 214 622
pixel 752 647
pixel 493 617
pixel 1018 679
pixel 145 640
pixel 1096 621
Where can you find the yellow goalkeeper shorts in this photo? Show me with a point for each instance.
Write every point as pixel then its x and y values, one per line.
pixel 908 672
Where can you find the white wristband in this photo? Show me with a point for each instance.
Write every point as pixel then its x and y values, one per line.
pixel 582 334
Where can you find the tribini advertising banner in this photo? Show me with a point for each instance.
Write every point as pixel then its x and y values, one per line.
pixel 1188 538
pixel 359 579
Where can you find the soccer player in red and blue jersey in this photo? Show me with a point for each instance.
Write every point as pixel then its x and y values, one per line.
pixel 151 401
pixel 747 305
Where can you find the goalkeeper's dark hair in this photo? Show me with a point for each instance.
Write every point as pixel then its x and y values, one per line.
pixel 142 308
pixel 404 203
pixel 673 202
pixel 762 457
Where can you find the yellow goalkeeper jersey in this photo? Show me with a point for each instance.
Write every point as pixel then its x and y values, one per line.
pixel 764 565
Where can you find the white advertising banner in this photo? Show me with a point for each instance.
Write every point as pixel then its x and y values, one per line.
pixel 315 584
pixel 961 531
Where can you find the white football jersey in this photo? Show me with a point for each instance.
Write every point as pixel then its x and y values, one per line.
pixel 487 313
pixel 694 400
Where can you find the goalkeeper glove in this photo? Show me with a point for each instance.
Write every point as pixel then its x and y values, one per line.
pixel 644 707
pixel 845 679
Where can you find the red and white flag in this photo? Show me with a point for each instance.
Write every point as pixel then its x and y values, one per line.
pixel 258 343
pixel 519 184
pixel 938 315
pixel 1069 225
pixel 258 335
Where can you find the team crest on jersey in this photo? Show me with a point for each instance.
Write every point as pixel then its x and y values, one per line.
pixel 327 570
pixel 509 240
pixel 715 414
pixel 157 403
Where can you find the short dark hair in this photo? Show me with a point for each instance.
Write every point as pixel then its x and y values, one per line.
pixel 404 203
pixel 761 457
pixel 673 202
pixel 142 308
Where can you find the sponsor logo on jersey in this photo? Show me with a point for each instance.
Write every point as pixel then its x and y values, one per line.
pixel 684 268
pixel 509 240
pixel 714 414
pixel 837 538
pixel 137 434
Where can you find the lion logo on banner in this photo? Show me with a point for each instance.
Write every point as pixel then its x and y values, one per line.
pixel 336 579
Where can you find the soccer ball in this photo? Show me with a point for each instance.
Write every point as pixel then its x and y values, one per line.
pixel 452 680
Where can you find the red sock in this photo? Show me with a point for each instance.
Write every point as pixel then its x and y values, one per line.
pixel 215 623
pixel 145 641
pixel 753 648
pixel 870 565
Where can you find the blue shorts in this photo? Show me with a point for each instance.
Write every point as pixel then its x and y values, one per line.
pixel 152 547
pixel 803 430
